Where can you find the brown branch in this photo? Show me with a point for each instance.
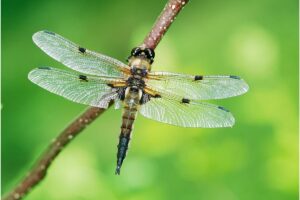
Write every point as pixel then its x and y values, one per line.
pixel 163 22
pixel 39 171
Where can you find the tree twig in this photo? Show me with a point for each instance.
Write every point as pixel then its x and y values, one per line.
pixel 39 171
pixel 163 22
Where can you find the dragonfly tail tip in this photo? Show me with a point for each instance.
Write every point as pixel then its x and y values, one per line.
pixel 118 170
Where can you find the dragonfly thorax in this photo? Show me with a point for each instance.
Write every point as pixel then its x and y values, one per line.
pixel 136 82
pixel 132 96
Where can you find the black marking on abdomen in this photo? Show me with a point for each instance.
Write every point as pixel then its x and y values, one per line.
pixel 132 109
pixel 49 32
pixel 47 68
pixel 185 100
pixel 128 118
pixel 222 108
pixel 126 127
pixel 198 77
pixel 83 77
pixel 234 77
pixel 81 49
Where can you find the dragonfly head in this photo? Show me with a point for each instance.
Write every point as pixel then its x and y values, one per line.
pixel 143 52
pixel 143 55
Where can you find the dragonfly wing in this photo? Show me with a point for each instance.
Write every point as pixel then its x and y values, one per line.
pixel 89 90
pixel 187 113
pixel 118 104
pixel 196 87
pixel 76 57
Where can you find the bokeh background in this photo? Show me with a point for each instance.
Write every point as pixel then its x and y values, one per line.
pixel 256 159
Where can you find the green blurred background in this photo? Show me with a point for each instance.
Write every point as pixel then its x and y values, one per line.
pixel 256 159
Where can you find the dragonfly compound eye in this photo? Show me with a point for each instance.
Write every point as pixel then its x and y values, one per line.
pixel 150 54
pixel 136 51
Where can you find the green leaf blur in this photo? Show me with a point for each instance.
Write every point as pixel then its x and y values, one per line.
pixel 256 159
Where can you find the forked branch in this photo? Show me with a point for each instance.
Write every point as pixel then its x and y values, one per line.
pixel 38 172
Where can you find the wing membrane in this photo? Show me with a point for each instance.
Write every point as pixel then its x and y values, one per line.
pixel 196 87
pixel 192 114
pixel 76 57
pixel 88 90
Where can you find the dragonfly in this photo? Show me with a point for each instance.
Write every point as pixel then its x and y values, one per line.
pixel 167 97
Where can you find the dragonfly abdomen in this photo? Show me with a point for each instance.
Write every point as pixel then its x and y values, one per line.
pixel 131 103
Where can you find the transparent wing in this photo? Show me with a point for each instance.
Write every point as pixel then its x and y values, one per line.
pixel 76 57
pixel 196 87
pixel 118 104
pixel 191 114
pixel 88 90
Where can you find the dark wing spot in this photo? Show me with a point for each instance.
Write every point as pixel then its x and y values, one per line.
pixel 157 96
pixel 185 100
pixel 83 77
pixel 47 68
pixel 81 49
pixel 222 108
pixel 234 77
pixel 49 32
pixel 198 77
